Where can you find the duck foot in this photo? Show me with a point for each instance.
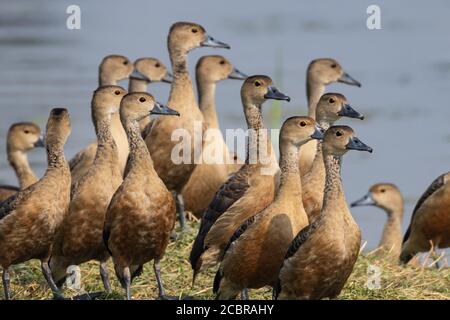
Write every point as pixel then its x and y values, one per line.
pixel 90 295
pixel 168 298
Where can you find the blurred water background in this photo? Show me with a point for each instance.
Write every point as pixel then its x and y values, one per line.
pixel 404 69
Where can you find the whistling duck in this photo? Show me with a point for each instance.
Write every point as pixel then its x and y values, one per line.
pixel 80 238
pixel 246 192
pixel 330 108
pixel 209 175
pixel 321 257
pixel 162 141
pixel 389 198
pixel 430 221
pixel 30 219
pixel 21 138
pixel 320 73
pixel 112 69
pixel 142 212
pixel 257 248
pixel 146 71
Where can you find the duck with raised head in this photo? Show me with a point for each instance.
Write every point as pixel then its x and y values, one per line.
pixel 146 71
pixel 30 218
pixel 208 177
pixel 142 212
pixel 430 221
pixel 322 255
pixel 388 197
pixel 320 73
pixel 112 69
pixel 246 192
pixel 81 236
pixel 22 137
pixel 183 37
pixel 255 252
pixel 330 108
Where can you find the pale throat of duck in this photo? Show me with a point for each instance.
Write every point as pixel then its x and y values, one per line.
pixel 138 85
pixel 19 161
pixel 314 90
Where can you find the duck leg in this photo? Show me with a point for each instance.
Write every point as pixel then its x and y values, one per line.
pixel 105 276
pixel 162 292
pixel 5 279
pixel 127 282
pixel 48 277
pixel 179 202
pixel 244 294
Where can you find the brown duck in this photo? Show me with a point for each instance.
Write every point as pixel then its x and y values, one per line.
pixel 257 248
pixel 81 236
pixel 30 218
pixel 322 255
pixel 22 137
pixel 208 177
pixel 246 192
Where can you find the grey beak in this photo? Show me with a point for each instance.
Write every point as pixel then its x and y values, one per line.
pixel 345 78
pixel 40 142
pixel 213 43
pixel 348 111
pixel 367 200
pixel 161 109
pixel 356 144
pixel 274 93
pixel 237 75
pixel 319 132
pixel 138 75
pixel 168 78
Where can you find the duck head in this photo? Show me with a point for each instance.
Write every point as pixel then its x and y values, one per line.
pixel 114 68
pixel 325 71
pixel 257 89
pixel 333 106
pixel 299 130
pixel 339 139
pixel 383 195
pixel 138 105
pixel 58 127
pixel 151 70
pixel 106 101
pixel 24 136
pixel 214 68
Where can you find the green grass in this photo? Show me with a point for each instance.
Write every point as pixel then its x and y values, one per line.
pixel 411 282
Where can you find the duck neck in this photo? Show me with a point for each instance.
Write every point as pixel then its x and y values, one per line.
pixel 318 163
pixel 314 91
pixel 137 85
pixel 391 238
pixel 253 116
pixel 106 79
pixel 181 92
pixel 139 154
pixel 105 141
pixel 19 161
pixel 333 193
pixel 207 102
pixel 55 156
pixel 290 181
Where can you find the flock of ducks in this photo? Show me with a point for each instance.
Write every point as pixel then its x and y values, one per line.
pixel 284 224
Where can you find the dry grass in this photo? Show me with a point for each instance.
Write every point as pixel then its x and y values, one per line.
pixel 411 282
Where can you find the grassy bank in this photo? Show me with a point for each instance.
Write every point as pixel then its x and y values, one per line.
pixel 411 282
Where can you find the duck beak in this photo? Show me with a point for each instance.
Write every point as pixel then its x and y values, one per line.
pixel 213 43
pixel 345 78
pixel 237 75
pixel 356 144
pixel 367 200
pixel 40 142
pixel 319 132
pixel 168 78
pixel 161 109
pixel 138 75
pixel 348 111
pixel 274 93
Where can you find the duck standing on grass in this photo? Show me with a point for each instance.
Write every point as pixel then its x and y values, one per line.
pixel 142 212
pixel 321 257
pixel 30 219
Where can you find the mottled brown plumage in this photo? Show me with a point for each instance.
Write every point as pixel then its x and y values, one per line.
pixel 322 256
pixel 330 108
pixel 112 69
pixel 254 259
pixel 141 214
pixel 430 221
pixel 30 219
pixel 249 190
pixel 22 137
pixel 81 237
pixel 320 73
pixel 209 175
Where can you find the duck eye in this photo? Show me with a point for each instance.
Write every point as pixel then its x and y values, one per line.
pixel 157 65
pixel 334 65
pixel 383 190
pixel 194 30
pixel 125 62
pixel 222 62
pixel 117 92
pixel 26 131
pixel 142 99
pixel 331 100
pixel 302 124
pixel 257 83
pixel 338 134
